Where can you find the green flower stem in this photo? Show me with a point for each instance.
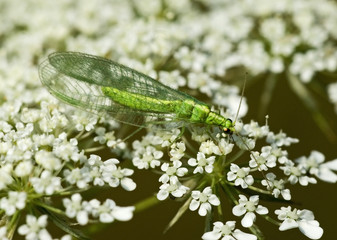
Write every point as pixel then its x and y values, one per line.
pixel 257 232
pixel 83 135
pixel 50 208
pixel 146 203
pixel 271 220
pixel 79 135
pixel 208 221
pixel 94 149
pixel 259 190
pixel 229 192
pixel 178 215
pixel 12 226
pixel 219 208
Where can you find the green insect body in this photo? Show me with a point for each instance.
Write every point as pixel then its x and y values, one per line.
pixel 103 86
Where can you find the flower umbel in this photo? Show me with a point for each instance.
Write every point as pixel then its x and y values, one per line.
pixel 52 153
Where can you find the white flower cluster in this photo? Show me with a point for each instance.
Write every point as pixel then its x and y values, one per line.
pixel 213 161
pixel 46 148
pixel 106 212
pixel 44 154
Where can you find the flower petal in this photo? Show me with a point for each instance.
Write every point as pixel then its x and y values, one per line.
pixel 128 184
pixel 192 162
pixel 162 195
pixel 239 235
pixel 248 220
pixel 211 236
pixel 327 175
pixel 331 164
pixel 204 208
pixel 288 224
pixel 214 200
pixel 311 229
pixel 123 213
pixel 239 210
pixel 261 210
pixel 194 205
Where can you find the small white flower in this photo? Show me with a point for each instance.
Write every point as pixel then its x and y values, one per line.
pixel 149 158
pixel 177 151
pixel 114 175
pixel 225 146
pixel 209 148
pixel 79 176
pixel 47 160
pixel 5 147
pixel 190 59
pixel 46 183
pixel 276 65
pixel 14 201
pixel 280 139
pixel 244 143
pixel 123 213
pixel 84 121
pixel 108 211
pixel 35 228
pixel 203 82
pixel 263 160
pixel 202 163
pixel 315 165
pixel 172 171
pixel 100 132
pixel 44 139
pixel 297 174
pixel 101 211
pixel 254 130
pixel 64 149
pixel 24 168
pixel 174 188
pixel 74 208
pixel 6 175
pixel 248 207
pixel 276 185
pixel 172 79
pixel 315 36
pixel 253 55
pixel 305 65
pixel 303 219
pixel 24 144
pixel 227 232
pixel 240 175
pixel 5 127
pixel 111 140
pixel 203 200
pixel 273 28
pixel 95 160
pixel 165 138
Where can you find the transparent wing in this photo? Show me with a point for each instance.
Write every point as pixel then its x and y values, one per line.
pixel 77 78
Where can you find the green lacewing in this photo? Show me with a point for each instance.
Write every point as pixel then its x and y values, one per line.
pixel 100 85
